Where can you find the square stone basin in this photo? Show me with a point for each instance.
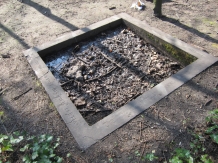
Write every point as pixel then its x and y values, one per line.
pixel 193 60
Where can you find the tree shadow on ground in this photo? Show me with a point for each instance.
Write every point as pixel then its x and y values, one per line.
pixel 47 12
pixel 20 40
pixel 190 29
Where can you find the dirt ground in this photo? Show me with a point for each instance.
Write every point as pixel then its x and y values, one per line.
pixel 31 23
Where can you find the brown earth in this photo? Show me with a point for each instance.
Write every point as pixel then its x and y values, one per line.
pixel 31 23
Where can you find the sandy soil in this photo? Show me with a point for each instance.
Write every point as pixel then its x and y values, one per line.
pixel 31 23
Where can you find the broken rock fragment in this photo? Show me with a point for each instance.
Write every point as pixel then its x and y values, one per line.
pixel 80 102
pixel 75 71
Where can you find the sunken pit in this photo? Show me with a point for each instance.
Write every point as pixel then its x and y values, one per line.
pixel 102 76
pixel 107 71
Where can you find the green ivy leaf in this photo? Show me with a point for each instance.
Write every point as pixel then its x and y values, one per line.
pixel 213 116
pixel 68 155
pixel 3 137
pixel 44 160
pixel 52 155
pixel 34 155
pixel 16 140
pixel 110 159
pixel 214 112
pixel 206 159
pixel 208 119
pixel 150 156
pixel 49 138
pixel 24 148
pixel 192 145
pixel 17 133
pixel 175 159
pixel 31 138
pixel 1 113
pixel 56 145
pixel 59 159
pixel 41 148
pixel 137 153
pixel 182 154
pixel 26 159
pixel 7 147
pixel 214 137
pixel 36 147
pixel 190 160
pixel 210 129
pixel 203 149
pixel 42 137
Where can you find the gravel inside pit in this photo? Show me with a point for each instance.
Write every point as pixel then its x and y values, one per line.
pixel 105 72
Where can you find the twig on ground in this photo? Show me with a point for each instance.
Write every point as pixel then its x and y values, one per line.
pixel 69 82
pixel 110 60
pixel 208 102
pixel 143 150
pixel 2 91
pixel 115 40
pixel 66 82
pixel 111 70
pixel 149 62
pixel 5 56
pixel 76 56
pixel 140 134
pixel 97 104
pixel 4 126
pixel 12 129
pixel 17 97
pixel 83 61
pixel 136 95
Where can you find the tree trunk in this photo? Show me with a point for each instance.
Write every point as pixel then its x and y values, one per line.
pixel 158 8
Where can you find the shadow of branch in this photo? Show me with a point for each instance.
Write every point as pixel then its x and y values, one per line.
pixel 20 40
pixel 47 12
pixel 190 29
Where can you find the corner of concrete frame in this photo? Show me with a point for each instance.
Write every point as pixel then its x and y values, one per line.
pixel 84 134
